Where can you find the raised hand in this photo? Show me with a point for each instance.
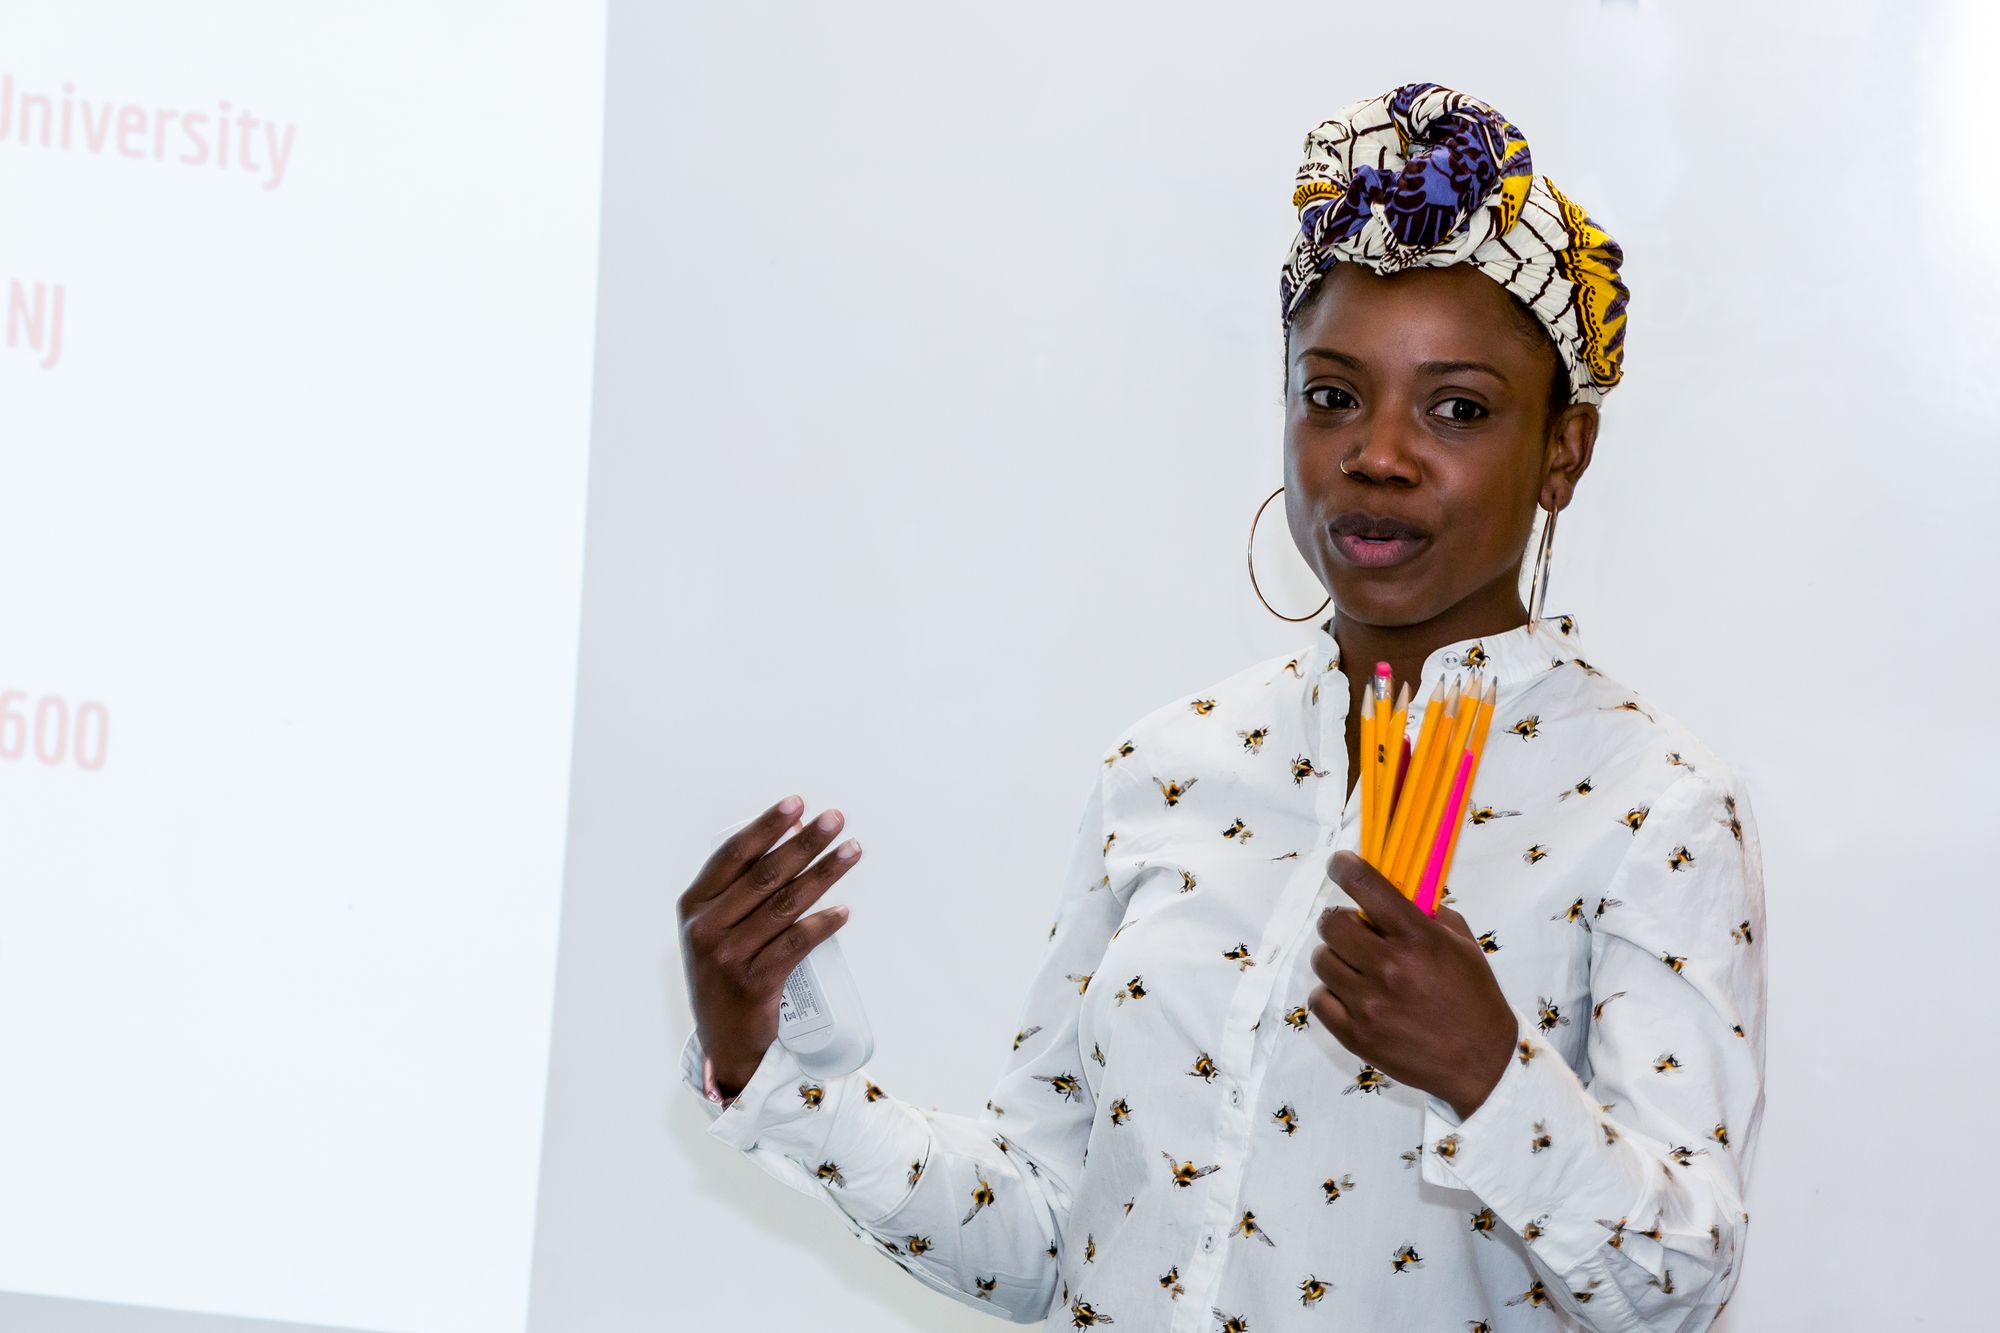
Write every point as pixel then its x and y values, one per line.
pixel 742 932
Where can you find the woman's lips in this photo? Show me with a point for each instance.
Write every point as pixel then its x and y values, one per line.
pixel 1374 552
pixel 1376 541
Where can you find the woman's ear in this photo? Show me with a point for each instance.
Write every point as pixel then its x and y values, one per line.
pixel 1572 437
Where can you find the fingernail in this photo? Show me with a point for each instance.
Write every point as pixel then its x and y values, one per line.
pixel 791 805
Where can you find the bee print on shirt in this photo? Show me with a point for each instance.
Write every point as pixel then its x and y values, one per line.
pixel 1187 882
pixel 1528 727
pixel 1287 1118
pixel 1298 1017
pixel 918 1244
pixel 873 1093
pixel 1606 904
pixel 1631 706
pixel 1586 667
pixel 1333 1188
pixel 1535 1228
pixel 1484 1221
pixel 1097 1054
pixel 1019 1037
pixel 1682 1155
pixel 1170 1282
pixel 1202 707
pixel 1405 1259
pixel 1526 1051
pixel 1131 990
pixel 1312 1289
pixel 1237 830
pixel 1674 960
pixel 1475 657
pixel 1247 1226
pixel 1541 1137
pixel 1583 788
pixel 982 1195
pixel 1597 1010
pixel 1536 1295
pixel 1231 1323
pixel 1302 768
pixel 812 1094
pixel 1447 1147
pixel 1185 1174
pixel 1370 1079
pixel 1551 1015
pixel 830 1173
pixel 1090 1249
pixel 1720 1134
pixel 1488 944
pixel 1411 1156
pixel 1082 1316
pixel 1120 1112
pixel 1740 933
pixel 1109 838
pixel 986 1286
pixel 1636 816
pixel 1666 1064
pixel 916 1172
pixel 1174 790
pixel 1082 980
pixel 1124 750
pixel 1535 853
pixel 1680 858
pixel 1240 955
pixel 1486 814
pixel 1253 739
pixel 1574 912
pixel 1068 1086
pixel 1730 820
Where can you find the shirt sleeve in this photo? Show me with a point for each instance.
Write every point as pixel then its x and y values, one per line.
pixel 1628 1181
pixel 973 1206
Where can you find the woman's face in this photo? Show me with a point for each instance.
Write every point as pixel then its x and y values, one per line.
pixel 1423 386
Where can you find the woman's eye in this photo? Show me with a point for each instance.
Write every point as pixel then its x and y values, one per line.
pixel 1329 389
pixel 1455 409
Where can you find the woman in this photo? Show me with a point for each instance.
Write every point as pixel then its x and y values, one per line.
pixel 1234 1101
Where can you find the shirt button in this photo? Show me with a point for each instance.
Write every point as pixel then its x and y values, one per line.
pixel 1236 1096
pixel 1208 1241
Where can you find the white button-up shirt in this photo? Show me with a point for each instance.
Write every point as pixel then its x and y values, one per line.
pixel 1175 1143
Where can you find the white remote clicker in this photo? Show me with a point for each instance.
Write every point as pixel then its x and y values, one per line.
pixel 820 1018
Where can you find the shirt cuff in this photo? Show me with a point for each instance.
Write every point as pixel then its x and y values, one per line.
pixel 1536 1153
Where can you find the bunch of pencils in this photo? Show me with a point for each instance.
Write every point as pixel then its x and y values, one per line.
pixel 1413 802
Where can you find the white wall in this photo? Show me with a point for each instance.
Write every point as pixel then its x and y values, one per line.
pixel 937 384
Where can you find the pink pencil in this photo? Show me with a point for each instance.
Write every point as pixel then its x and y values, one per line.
pixel 1427 891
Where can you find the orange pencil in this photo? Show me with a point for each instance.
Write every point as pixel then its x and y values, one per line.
pixel 1367 765
pixel 1415 802
pixel 1480 725
pixel 1399 814
pixel 1410 870
pixel 1378 765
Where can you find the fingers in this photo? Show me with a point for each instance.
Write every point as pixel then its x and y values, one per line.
pixel 1388 911
pixel 738 851
pixel 780 908
pixel 1335 973
pixel 1352 939
pixel 768 970
pixel 773 870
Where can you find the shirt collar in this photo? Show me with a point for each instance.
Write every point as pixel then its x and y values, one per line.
pixel 1511 658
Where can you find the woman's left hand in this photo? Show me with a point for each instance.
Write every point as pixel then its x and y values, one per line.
pixel 1411 994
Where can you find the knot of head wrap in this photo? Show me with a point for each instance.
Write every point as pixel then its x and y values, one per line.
pixel 1423 176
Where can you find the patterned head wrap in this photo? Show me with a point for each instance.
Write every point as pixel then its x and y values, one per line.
pixel 1423 176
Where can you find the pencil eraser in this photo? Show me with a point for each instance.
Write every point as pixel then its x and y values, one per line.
pixel 1382 669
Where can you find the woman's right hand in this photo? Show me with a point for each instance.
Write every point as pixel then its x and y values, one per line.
pixel 741 932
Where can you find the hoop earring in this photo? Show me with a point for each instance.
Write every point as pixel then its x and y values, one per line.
pixel 1538 588
pixel 1250 558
